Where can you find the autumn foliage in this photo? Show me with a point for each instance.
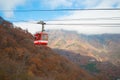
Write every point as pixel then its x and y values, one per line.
pixel 20 59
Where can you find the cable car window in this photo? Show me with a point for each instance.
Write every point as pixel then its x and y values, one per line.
pixel 44 37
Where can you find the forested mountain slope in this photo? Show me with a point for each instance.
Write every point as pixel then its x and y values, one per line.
pixel 20 59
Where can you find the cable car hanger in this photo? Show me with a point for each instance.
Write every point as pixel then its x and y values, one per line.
pixel 43 23
pixel 41 38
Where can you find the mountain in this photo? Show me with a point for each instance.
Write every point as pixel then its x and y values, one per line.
pixel 102 47
pixel 109 44
pixel 98 54
pixel 20 59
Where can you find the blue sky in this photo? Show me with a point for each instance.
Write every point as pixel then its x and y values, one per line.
pixel 33 5
pixel 61 4
pixel 49 4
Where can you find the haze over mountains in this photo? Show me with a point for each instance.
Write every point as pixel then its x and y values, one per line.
pixel 99 54
pixel 102 47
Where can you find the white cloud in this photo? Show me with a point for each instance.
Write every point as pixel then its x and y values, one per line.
pixel 31 27
pixel 92 14
pixel 83 14
pixel 89 3
pixel 90 29
pixel 109 4
pixel 10 5
pixel 98 3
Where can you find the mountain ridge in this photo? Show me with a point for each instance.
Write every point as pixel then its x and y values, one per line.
pixel 104 44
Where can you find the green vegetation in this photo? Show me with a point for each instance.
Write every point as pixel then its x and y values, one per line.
pixel 91 67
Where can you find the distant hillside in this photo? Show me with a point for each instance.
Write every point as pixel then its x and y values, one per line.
pixel 108 44
pixel 99 54
pixel 102 47
pixel 20 59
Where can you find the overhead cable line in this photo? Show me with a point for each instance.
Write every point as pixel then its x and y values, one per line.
pixel 88 24
pixel 79 19
pixel 84 24
pixel 112 18
pixel 36 10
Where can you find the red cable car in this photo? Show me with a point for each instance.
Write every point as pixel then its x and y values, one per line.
pixel 42 37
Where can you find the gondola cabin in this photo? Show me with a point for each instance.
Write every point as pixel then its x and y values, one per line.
pixel 41 38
